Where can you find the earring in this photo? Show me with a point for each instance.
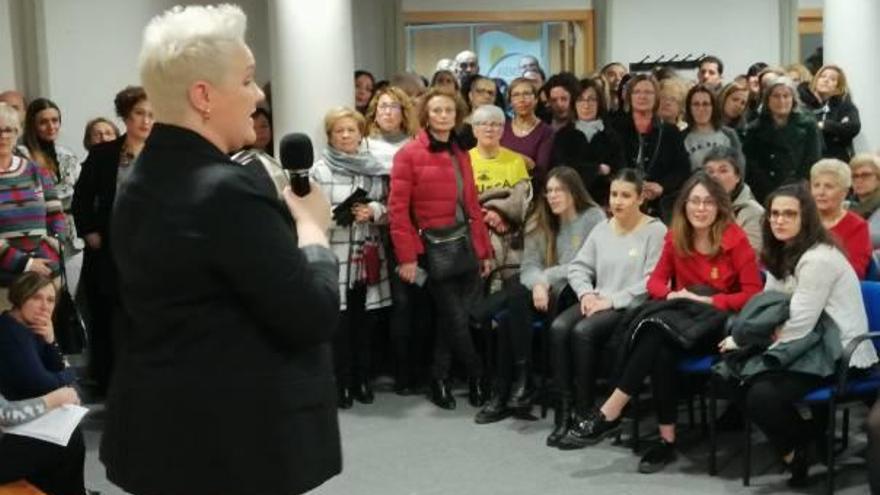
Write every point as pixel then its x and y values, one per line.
pixel 206 114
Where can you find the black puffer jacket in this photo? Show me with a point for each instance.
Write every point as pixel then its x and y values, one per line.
pixel 840 122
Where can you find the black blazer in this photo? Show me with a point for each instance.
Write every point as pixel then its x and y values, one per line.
pixel 664 158
pixel 571 149
pixel 224 382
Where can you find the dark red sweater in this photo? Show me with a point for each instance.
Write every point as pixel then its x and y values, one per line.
pixel 733 272
pixel 423 195
pixel 852 234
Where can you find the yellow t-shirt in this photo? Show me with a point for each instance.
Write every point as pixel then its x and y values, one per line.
pixel 503 171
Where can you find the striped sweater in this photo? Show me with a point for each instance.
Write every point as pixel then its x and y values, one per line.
pixel 30 214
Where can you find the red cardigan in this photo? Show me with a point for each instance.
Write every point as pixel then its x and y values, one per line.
pixel 423 195
pixel 852 234
pixel 733 272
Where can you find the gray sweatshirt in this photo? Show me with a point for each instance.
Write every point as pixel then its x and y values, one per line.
pixel 570 238
pixel 699 144
pixel 617 266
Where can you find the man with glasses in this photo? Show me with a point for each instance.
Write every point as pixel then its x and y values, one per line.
pixel 466 64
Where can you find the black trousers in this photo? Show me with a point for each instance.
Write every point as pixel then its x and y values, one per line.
pixel 770 399
pixel 352 341
pixel 102 301
pixel 578 342
pixel 874 448
pixel 514 332
pixel 52 468
pixel 410 323
pixel 656 355
pixel 453 300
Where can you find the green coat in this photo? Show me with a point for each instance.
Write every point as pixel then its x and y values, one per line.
pixel 816 353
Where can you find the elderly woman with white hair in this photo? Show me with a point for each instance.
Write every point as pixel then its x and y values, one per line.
pixel 225 297
pixel 865 168
pixel 782 143
pixel 829 183
pixel 505 190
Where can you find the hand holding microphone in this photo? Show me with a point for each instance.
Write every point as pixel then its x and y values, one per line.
pixel 305 200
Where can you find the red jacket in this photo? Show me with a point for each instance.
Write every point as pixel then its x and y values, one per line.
pixel 852 234
pixel 733 272
pixel 423 195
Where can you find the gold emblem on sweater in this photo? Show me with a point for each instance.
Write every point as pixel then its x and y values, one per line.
pixel 713 273
pixel 634 252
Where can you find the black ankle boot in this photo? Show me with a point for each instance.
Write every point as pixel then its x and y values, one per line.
pixel 522 391
pixel 478 392
pixel 799 468
pixel 343 397
pixel 561 421
pixel 441 396
pixel 362 392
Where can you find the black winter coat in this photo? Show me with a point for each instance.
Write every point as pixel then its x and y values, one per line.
pixel 779 155
pixel 92 206
pixel 224 382
pixel 571 149
pixel 840 122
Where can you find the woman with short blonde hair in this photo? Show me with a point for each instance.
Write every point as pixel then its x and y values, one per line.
pixel 248 294
pixel 830 180
pixel 355 237
pixel 865 202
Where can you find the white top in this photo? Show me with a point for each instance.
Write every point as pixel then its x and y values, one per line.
pixel 384 150
pixel 824 280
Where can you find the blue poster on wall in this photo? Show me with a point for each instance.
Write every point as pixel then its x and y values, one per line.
pixel 500 53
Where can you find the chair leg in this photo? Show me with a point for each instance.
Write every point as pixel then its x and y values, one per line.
pixel 690 402
pixel 545 371
pixel 702 398
pixel 845 433
pixel 829 455
pixel 747 454
pixel 635 422
pixel 713 445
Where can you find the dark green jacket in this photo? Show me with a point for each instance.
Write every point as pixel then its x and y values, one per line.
pixel 752 329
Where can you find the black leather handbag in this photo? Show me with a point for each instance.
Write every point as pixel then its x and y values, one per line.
pixel 70 330
pixel 449 251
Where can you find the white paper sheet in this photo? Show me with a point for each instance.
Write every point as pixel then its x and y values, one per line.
pixel 56 426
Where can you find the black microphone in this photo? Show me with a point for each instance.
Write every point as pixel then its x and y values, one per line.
pixel 297 157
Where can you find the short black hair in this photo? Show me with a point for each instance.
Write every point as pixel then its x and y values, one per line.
pixel 712 59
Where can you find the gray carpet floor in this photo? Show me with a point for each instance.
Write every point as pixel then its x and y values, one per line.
pixel 407 446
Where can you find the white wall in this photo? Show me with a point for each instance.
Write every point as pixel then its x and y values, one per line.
pixel 740 32
pixel 488 5
pixel 88 60
pixel 7 56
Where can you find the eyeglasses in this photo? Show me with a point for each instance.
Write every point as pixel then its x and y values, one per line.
pixel 787 215
pixel 588 99
pixel 701 103
pixel 465 65
pixel 388 107
pixel 522 96
pixel 489 125
pixel 863 175
pixel 8 131
pixel 485 91
pixel 704 202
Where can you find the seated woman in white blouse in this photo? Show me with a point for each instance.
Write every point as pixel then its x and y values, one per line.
pixel 803 260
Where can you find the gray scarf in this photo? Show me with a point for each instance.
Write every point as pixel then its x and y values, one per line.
pixel 590 128
pixel 361 163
